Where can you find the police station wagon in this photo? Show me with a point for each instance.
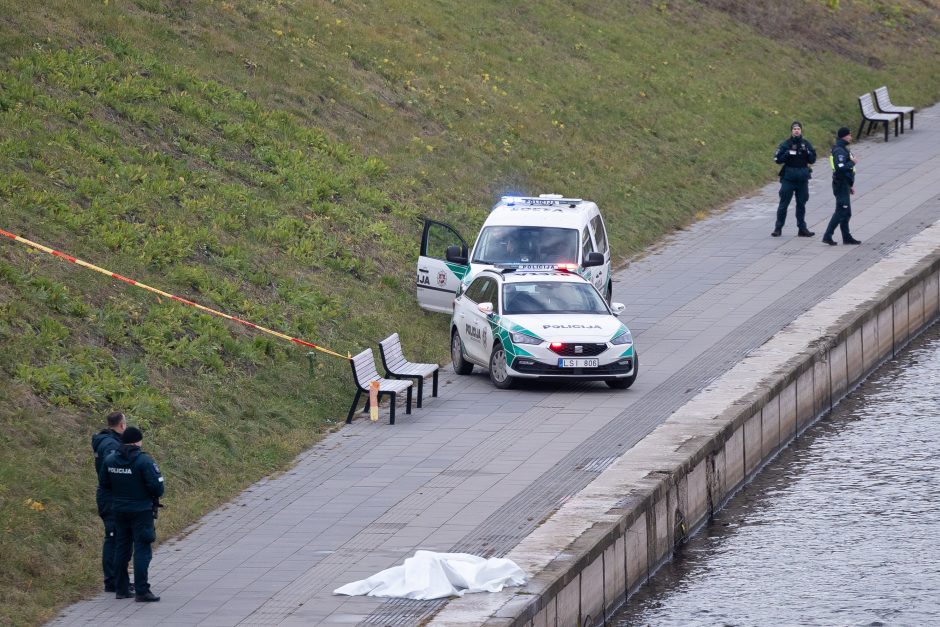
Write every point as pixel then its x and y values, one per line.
pixel 529 233
pixel 526 324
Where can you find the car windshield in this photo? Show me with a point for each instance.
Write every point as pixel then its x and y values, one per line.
pixel 552 297
pixel 526 245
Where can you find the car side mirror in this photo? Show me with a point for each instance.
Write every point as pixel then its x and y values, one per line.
pixel 617 308
pixel 455 254
pixel 485 308
pixel 593 259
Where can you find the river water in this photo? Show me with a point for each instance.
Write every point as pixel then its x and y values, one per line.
pixel 840 529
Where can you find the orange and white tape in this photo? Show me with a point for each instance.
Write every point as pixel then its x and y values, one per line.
pixel 208 310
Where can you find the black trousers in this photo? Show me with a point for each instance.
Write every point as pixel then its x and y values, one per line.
pixel 133 531
pixel 787 190
pixel 107 551
pixel 840 217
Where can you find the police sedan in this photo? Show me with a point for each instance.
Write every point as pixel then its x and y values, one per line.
pixel 546 325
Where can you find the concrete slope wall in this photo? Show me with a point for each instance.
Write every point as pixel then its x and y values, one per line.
pixel 606 541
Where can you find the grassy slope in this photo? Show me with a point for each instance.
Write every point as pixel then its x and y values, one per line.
pixel 273 159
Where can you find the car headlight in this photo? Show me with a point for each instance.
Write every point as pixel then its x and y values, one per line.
pixel 624 338
pixel 522 338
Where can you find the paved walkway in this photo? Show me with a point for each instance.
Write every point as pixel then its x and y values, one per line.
pixel 477 469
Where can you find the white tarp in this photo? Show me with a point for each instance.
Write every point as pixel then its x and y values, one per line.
pixel 430 575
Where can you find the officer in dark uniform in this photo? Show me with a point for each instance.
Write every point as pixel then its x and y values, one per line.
pixel 135 485
pixel 843 186
pixel 103 443
pixel 795 155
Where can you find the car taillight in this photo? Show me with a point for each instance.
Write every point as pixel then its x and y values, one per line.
pixel 557 346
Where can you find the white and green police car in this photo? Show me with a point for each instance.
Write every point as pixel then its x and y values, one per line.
pixel 529 233
pixel 527 324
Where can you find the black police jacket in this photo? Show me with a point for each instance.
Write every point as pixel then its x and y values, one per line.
pixel 103 444
pixel 131 478
pixel 843 168
pixel 795 154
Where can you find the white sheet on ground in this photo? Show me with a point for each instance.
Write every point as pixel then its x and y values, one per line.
pixel 430 575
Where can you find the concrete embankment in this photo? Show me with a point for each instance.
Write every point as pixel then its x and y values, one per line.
pixel 604 543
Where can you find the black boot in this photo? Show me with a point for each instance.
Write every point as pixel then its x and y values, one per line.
pixel 776 232
pixel 829 240
pixel 851 240
pixel 147 597
pixel 805 232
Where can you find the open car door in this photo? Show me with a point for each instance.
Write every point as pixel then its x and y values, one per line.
pixel 437 279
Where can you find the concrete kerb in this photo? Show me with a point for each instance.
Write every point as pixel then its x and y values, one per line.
pixel 676 478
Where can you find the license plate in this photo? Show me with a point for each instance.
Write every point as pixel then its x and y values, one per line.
pixel 578 363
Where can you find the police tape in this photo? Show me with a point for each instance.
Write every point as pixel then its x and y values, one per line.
pixel 203 308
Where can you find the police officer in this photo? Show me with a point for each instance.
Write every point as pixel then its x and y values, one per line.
pixel 133 481
pixel 795 155
pixel 103 443
pixel 843 185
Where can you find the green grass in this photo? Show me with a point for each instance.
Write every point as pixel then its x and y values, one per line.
pixel 273 159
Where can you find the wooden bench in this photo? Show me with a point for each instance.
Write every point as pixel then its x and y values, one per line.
pixel 364 371
pixel 397 367
pixel 870 115
pixel 884 105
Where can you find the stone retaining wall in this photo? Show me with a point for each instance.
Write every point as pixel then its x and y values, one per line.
pixel 628 521
pixel 618 560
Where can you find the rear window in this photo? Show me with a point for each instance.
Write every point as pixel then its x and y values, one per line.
pixel 587 246
pixel 525 245
pixel 599 234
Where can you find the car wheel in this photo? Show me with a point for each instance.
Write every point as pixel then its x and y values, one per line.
pixel 499 373
pixel 461 365
pixel 623 384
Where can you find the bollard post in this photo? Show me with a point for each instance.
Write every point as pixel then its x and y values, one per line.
pixel 374 400
pixel 310 362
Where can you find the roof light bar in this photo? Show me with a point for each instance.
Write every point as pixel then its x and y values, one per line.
pixel 544 200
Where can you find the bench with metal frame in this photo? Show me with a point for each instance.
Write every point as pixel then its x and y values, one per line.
pixel 883 100
pixel 873 117
pixel 364 371
pixel 397 367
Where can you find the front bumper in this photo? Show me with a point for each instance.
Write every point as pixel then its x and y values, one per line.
pixel 527 367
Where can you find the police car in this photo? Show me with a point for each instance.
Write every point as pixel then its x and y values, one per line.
pixel 522 324
pixel 530 233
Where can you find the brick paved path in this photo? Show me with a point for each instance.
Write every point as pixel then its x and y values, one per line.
pixel 478 468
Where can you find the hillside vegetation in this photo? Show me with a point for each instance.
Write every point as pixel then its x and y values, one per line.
pixel 273 159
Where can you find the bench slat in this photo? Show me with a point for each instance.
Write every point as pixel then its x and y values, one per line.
pixel 885 104
pixel 364 372
pixel 870 115
pixel 868 108
pixel 396 365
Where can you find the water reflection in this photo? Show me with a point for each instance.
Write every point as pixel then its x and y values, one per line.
pixel 840 529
